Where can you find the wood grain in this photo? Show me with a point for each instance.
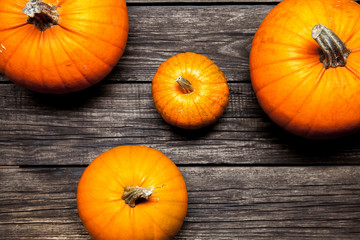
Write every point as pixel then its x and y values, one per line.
pixel 222 33
pixel 246 177
pixel 224 203
pixel 159 32
pixel 38 129
pixel 73 129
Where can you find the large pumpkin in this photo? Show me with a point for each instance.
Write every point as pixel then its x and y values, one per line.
pixel 305 67
pixel 132 192
pixel 60 46
pixel 190 91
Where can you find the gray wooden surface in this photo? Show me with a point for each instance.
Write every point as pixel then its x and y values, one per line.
pixel 225 203
pixel 246 177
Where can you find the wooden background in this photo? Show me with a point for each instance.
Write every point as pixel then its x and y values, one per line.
pixel 246 177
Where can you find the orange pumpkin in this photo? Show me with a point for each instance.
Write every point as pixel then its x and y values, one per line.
pixel 190 91
pixel 60 46
pixel 305 67
pixel 132 192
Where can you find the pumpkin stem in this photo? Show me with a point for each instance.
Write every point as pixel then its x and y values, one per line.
pixel 42 15
pixel 333 52
pixel 185 85
pixel 134 193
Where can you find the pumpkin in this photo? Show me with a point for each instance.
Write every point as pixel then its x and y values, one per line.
pixel 132 192
pixel 305 67
pixel 60 46
pixel 190 91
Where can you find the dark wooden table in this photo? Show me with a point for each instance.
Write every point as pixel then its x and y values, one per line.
pixel 246 177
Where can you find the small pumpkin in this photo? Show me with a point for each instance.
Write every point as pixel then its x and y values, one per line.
pixel 190 91
pixel 60 46
pixel 305 67
pixel 132 192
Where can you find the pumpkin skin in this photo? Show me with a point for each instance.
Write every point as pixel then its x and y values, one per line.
pixel 105 214
pixel 292 85
pixel 79 51
pixel 202 106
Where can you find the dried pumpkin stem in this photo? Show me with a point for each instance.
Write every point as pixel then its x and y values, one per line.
pixel 333 52
pixel 185 85
pixel 42 15
pixel 135 193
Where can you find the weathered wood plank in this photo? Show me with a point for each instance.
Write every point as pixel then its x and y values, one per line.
pixel 41 130
pixel 224 203
pixel 223 33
